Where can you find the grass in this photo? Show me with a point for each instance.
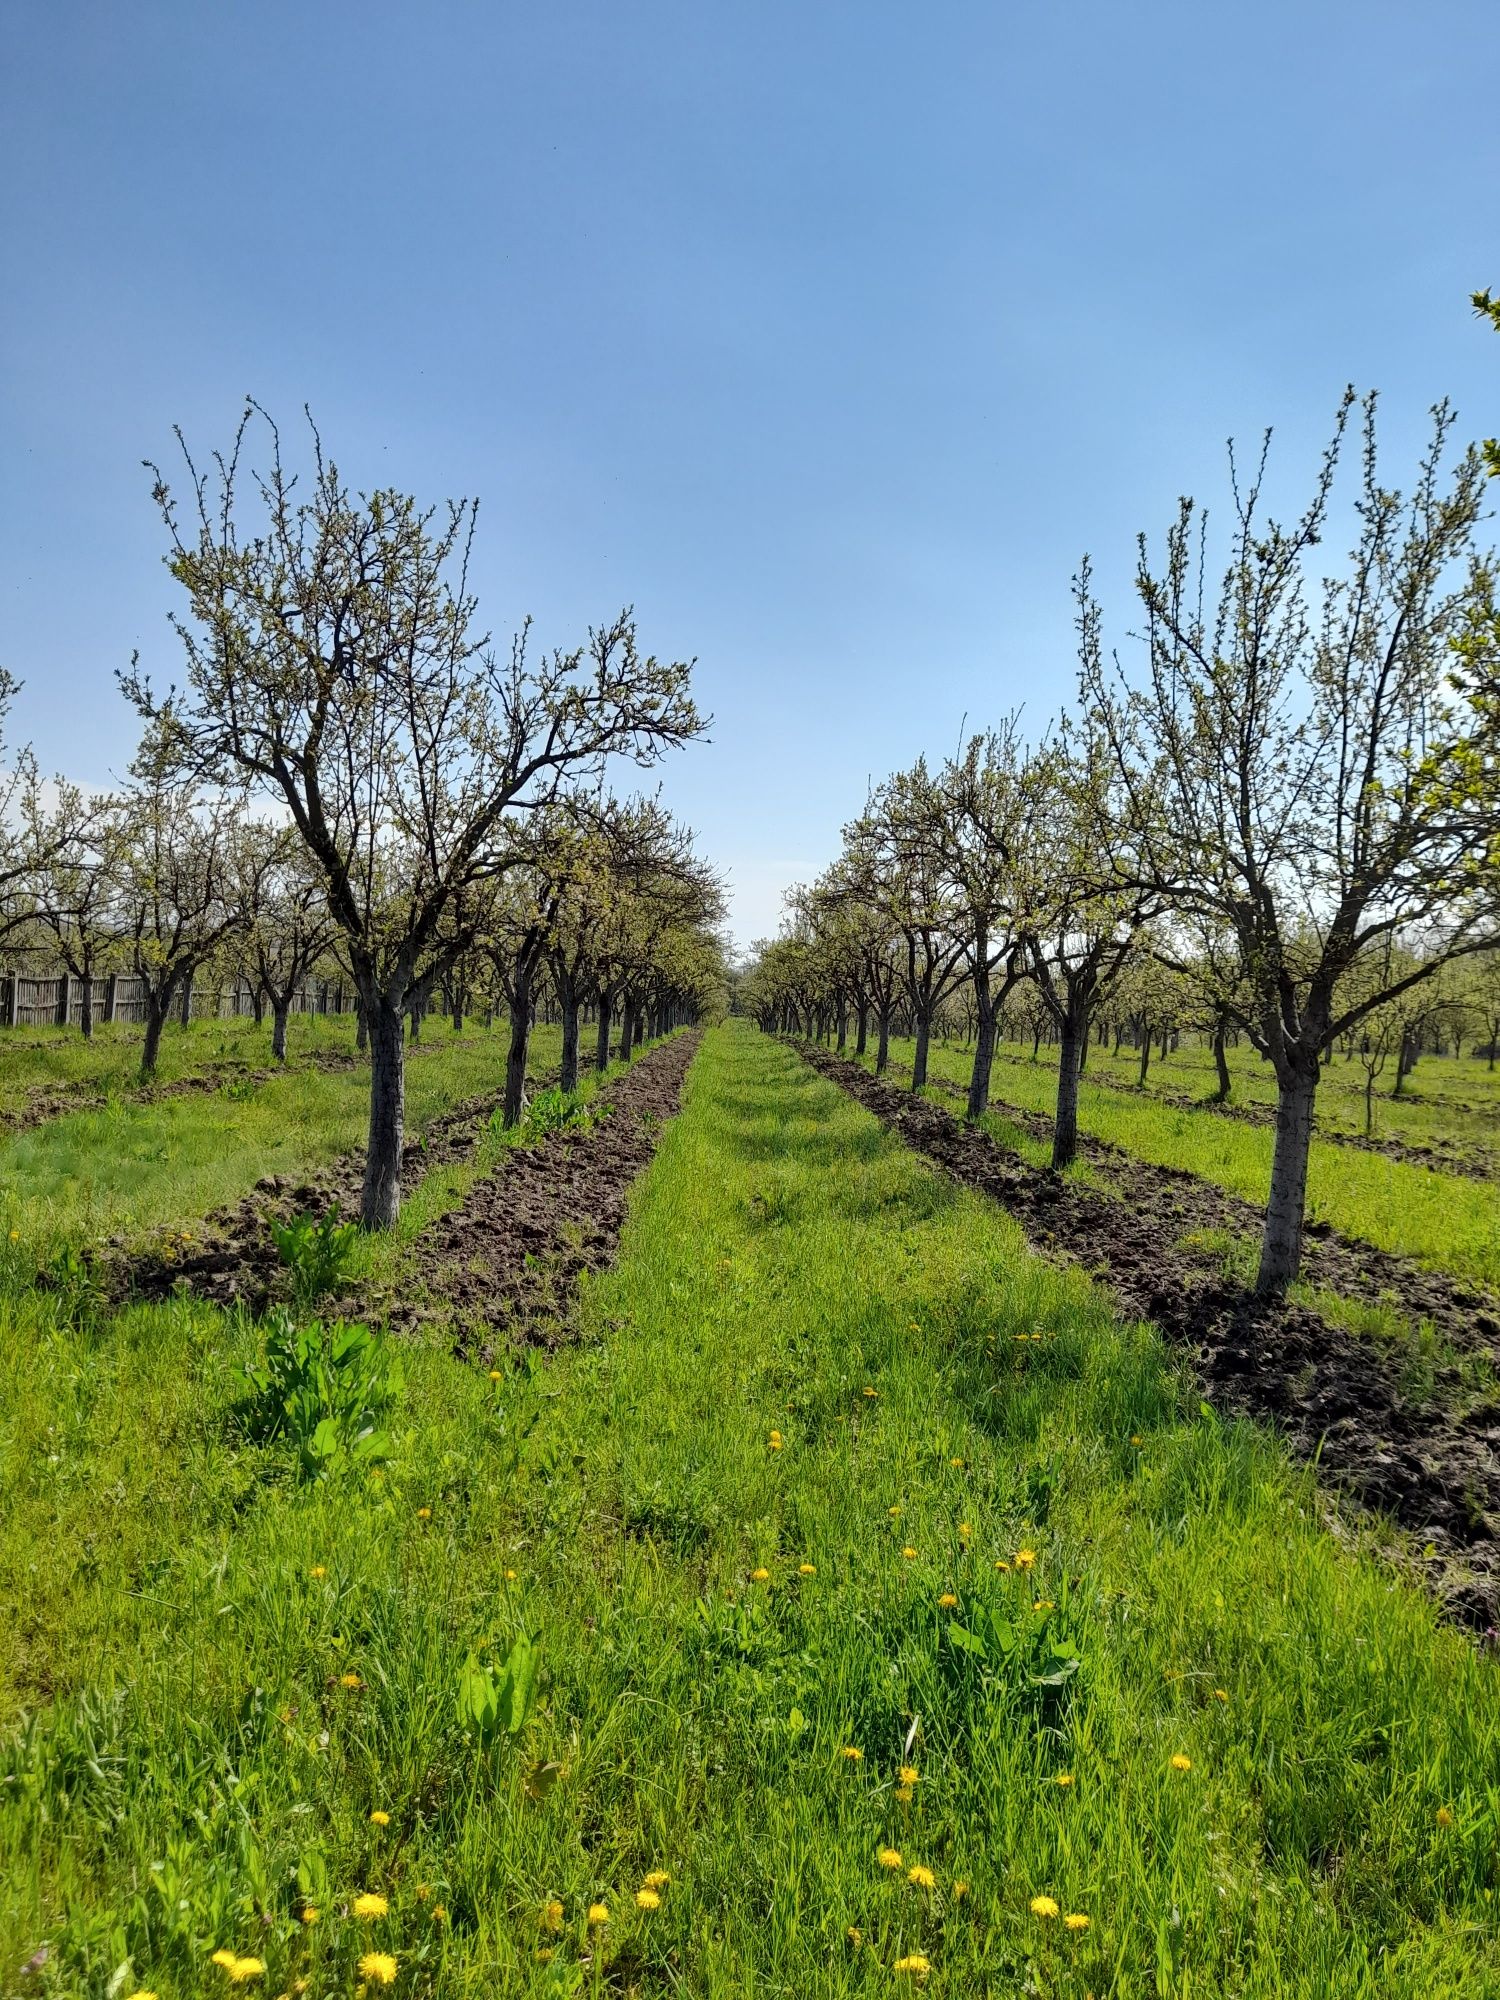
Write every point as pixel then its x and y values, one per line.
pixel 1441 1220
pixel 218 1672
pixel 133 1167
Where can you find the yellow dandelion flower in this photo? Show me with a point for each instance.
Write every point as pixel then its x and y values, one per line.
pixel 598 1914
pixel 647 1899
pixel 378 1967
pixel 658 1878
pixel 965 1530
pixel 369 1905
pixel 1221 1694
pixel 552 1916
pixel 855 1936
pixel 774 1444
pixel 510 1576
pixel 439 1914
pixel 957 1464
pixel 1064 1778
pixel 1076 1921
pixel 903 1795
pixel 1025 1558
pixel 424 1890
pixel 1044 1604
pixel 807 1569
pixel 907 1775
pixel 495 1375
pixel 15 1237
pixel 318 1572
pixel 1043 1906
pixel 310 1913
pixel 947 1601
pixel 871 1392
pixel 140 1993
pixel 1444 1816
pixel 1181 1763
pixel 1002 1565
pixel 221 1957
pixel 894 1512
pixel 852 1752
pixel 908 1552
pixel 921 1878
pixel 1136 1438
pixel 760 1576
pixel 889 1857
pixel 424 1513
pixel 914 1963
pixel 379 1818
pixel 960 1890
pixel 244 1970
pixel 350 1681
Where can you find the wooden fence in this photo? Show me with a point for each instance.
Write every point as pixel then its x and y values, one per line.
pixel 57 1001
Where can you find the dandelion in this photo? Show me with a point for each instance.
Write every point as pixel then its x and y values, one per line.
pixel 1076 1922
pixel 760 1576
pixel 807 1569
pixel 552 1916
pixel 1181 1763
pixel 140 1994
pixel 598 1915
pixel 855 1936
pixel 379 1818
pixel 424 1513
pixel 889 1857
pixel 310 1913
pixel 350 1681
pixel 510 1576
pixel 1137 1439
pixel 908 1552
pixel 907 1775
pixel 544 1954
pixel 774 1441
pixel 378 1967
pixel 964 1529
pixel 221 1957
pixel 1064 1779
pixel 243 1970
pixel 1043 1906
pixel 424 1890
pixel 960 1890
pixel 15 1237
pixel 647 1899
pixel 914 1963
pixel 1444 1816
pixel 369 1906
pixel 894 1512
pixel 871 1392
pixel 852 1752
pixel 318 1572
pixel 1044 1604
pixel 495 1375
pixel 439 1914
pixel 947 1601
pixel 921 1878
pixel 1221 1694
pixel 903 1795
pixel 1025 1558
pixel 1002 1565
pixel 658 1878
pixel 957 1464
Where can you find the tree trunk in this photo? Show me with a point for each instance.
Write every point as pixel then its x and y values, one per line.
pixel 567 994
pixel 1281 1245
pixel 361 1026
pixel 919 1059
pixel 1221 1064
pixel 158 1006
pixel 628 1026
pixel 883 1042
pixel 1065 1124
pixel 86 1019
pixel 380 1198
pixel 1145 1057
pixel 843 1024
pixel 258 1005
pixel 601 1046
pixel 279 1011
pixel 515 1056
pixel 1369 1102
pixel 862 1029
pixel 984 1057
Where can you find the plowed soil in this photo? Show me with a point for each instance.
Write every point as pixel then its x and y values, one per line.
pixel 1398 1430
pixel 501 1267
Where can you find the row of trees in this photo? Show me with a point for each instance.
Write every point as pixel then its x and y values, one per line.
pixel 1288 799
pixel 439 810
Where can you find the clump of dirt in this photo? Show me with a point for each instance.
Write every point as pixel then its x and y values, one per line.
pixel 1393 1438
pixel 501 1267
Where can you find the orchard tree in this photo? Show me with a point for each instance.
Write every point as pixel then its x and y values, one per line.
pixel 287 924
pixel 1304 782
pixel 76 896
pixel 333 662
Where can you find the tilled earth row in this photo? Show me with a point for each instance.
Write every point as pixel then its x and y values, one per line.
pixel 501 1267
pixel 1346 1402
pixel 231 1257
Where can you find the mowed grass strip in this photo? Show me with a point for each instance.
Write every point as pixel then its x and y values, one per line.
pixel 1442 1220
pixel 137 1167
pixel 810 1526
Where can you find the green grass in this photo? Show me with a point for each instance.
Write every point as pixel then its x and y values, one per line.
pixel 133 1167
pixel 44 1061
pixel 189 1743
pixel 1441 1220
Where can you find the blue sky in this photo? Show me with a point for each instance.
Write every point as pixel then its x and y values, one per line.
pixel 828 335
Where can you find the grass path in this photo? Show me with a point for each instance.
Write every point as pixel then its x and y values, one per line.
pixel 835 1466
pixel 1440 1220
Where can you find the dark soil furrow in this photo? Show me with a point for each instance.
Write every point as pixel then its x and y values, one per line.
pixel 502 1266
pixel 1348 1403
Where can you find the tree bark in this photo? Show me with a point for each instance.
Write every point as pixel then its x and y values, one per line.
pixel 1145 1057
pixel 515 1056
pixel 158 1006
pixel 984 1057
pixel 628 1024
pixel 1065 1124
pixel 1281 1245
pixel 862 1030
pixel 601 1046
pixel 883 1042
pixel 567 994
pixel 1221 1064
pixel 380 1199
pixel 361 1026
pixel 919 1058
pixel 279 1011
